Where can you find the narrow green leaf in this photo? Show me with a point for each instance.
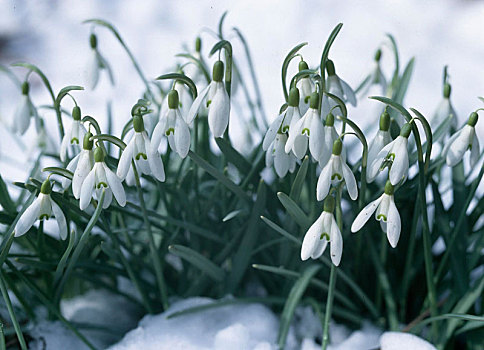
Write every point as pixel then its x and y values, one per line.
pixel 233 156
pixel 294 210
pixel 298 183
pixel 11 312
pixel 404 81
pixel 59 171
pixel 325 54
pixel 233 214
pixel 5 199
pixel 198 261
pixel 63 261
pixel 184 79
pixel 280 230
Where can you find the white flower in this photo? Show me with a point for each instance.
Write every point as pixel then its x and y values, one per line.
pixel 323 230
pixel 73 135
pixel 386 213
pixel 101 176
pixel 375 77
pixel 146 158
pixel 95 63
pixel 461 141
pixel 397 154
pixel 174 127
pixel 337 87
pixel 43 207
pixel 24 111
pixel 330 135
pixel 334 172
pixel 381 139
pixel 306 88
pixel 443 112
pixel 276 155
pixel 80 166
pixel 309 127
pixel 217 101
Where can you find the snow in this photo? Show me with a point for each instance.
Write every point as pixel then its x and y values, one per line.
pixel 403 341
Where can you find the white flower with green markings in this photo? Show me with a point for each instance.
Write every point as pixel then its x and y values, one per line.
pixel 95 64
pixel 330 135
pixel 24 112
pixel 43 207
pixel 147 158
pixel 217 101
pixel 74 135
pixel 98 178
pixel 323 231
pixel 306 88
pixel 381 139
pixel 385 211
pixel 335 171
pixel 444 111
pixel 375 78
pixel 338 87
pixel 463 140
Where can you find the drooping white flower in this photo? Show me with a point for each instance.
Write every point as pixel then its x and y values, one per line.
pixel 337 87
pixel 95 64
pixel 217 102
pixel 309 127
pixel 174 127
pixel 394 153
pixel 330 135
pixel 98 178
pixel 463 140
pixel 24 111
pixel 335 171
pixel 323 230
pixel 43 207
pixel 386 213
pixel 381 139
pixel 283 162
pixel 74 134
pixel 306 88
pixel 444 111
pixel 375 78
pixel 147 158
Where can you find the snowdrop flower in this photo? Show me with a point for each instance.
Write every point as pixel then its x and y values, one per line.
pixel 101 176
pixel 444 110
pixel 80 166
pixel 306 87
pixel 337 87
pixel 74 134
pixel 376 77
pixel 381 139
pixel 24 111
pixel 309 127
pixel 329 137
pixel 185 100
pixel 324 230
pixel 461 141
pixel 174 127
pixel 217 102
pixel 147 159
pixel 386 213
pixel 334 172
pixel 95 64
pixel 43 207
pixel 397 154
pixel 283 162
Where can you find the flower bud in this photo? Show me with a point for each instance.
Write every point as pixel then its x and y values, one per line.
pixel 330 67
pixel 293 97
pixel 138 124
pixel 76 113
pixel 98 155
pixel 329 204
pixel 198 44
pixel 46 187
pixel 389 189
pixel 405 130
pixel 329 119
pixel 314 100
pixel 337 147
pixel 25 88
pixel 93 41
pixel 447 90
pixel 385 121
pixel 473 119
pixel 378 55
pixel 173 99
pixel 87 143
pixel 303 65
pixel 218 71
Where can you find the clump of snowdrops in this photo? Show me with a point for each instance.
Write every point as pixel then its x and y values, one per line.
pixel 290 219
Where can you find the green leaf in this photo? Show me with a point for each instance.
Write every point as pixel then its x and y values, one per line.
pixel 294 210
pixel 63 261
pixel 233 214
pixel 404 81
pixel 64 92
pixel 396 71
pixel 5 199
pixel 59 171
pixel 198 261
pixel 233 156
pixel 184 79
pixel 280 230
pixel 10 74
pixel 298 183
pixel 201 65
pixel 110 138
pixel 292 301
pixel 325 54
pixel 8 303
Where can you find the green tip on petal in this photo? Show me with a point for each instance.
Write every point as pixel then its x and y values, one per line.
pixel 198 44
pixel 46 187
pixel 93 41
pixel 447 90
pixel 389 189
pixel 173 99
pixel 314 100
pixel 87 143
pixel 98 155
pixel 294 97
pixel 405 130
pixel 76 113
pixel 218 71
pixel 138 124
pixel 378 55
pixel 329 204
pixel 330 67
pixel 337 147
pixel 473 119
pixel 303 65
pixel 329 119
pixel 385 121
pixel 25 88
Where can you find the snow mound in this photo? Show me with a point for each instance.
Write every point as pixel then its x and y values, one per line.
pixel 403 341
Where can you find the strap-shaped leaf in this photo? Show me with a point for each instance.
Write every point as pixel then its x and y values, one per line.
pixel 198 261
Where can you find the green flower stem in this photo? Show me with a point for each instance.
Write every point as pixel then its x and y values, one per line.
pixel 325 54
pixel 285 66
pixel 227 46
pixel 8 303
pixel 154 254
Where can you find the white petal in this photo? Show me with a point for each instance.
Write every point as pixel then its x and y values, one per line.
pixel 125 159
pixel 61 219
pixel 349 93
pixel 83 168
pixel 92 74
pixel 393 224
pixel 71 166
pixel 374 167
pixel 196 105
pixel 449 142
pixel 115 185
pixel 311 238
pixel 218 112
pixel 350 181
pixel 459 146
pixel 272 132
pixel 475 151
pixel 294 131
pixel 86 189
pixel 182 137
pixel 336 243
pixel 324 181
pixel 159 131
pixel 400 165
pixel 316 137
pixel 281 158
pixel 108 196
pixel 63 149
pixel 22 115
pixel 29 216
pixel 365 215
